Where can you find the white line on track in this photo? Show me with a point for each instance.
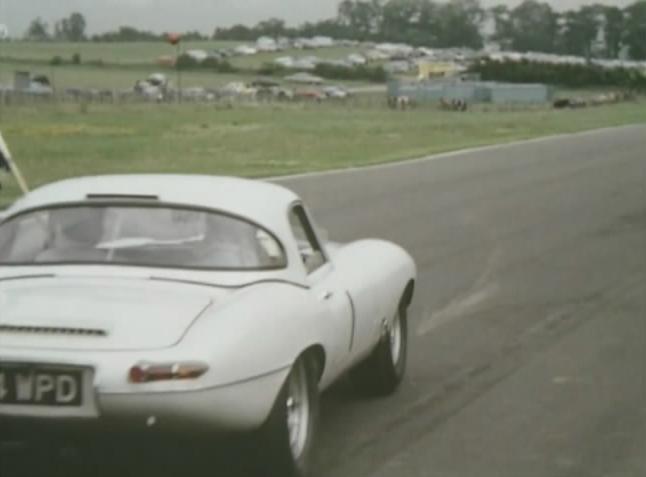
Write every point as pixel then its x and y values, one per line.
pixel 484 287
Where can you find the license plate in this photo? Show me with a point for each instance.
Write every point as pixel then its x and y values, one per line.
pixel 34 385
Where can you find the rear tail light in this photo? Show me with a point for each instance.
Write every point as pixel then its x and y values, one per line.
pixel 150 372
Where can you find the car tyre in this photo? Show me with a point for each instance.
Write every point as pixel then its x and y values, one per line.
pixel 286 440
pixel 382 372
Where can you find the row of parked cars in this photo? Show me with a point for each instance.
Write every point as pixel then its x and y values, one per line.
pixel 601 99
pixel 157 88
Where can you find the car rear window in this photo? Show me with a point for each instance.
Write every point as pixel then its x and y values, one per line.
pixel 135 235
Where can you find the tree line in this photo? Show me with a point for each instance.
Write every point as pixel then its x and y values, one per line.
pixel 593 30
pixel 569 75
pixel 70 28
pixel 74 28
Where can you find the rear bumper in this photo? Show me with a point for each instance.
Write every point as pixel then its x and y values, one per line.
pixel 239 407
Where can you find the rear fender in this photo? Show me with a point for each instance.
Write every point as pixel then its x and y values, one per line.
pixel 264 330
pixel 377 275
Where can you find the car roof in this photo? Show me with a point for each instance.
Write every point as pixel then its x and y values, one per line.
pixel 256 200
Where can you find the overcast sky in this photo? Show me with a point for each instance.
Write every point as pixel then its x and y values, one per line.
pixel 182 15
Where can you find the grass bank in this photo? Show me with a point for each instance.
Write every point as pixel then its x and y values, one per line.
pixel 56 141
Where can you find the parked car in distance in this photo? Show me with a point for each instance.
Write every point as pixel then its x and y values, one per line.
pixel 336 92
pixel 310 95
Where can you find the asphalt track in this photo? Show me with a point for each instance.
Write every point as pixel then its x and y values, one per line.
pixel 528 329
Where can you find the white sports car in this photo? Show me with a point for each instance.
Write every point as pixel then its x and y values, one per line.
pixel 190 303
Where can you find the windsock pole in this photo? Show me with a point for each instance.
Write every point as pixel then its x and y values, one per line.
pixel 5 156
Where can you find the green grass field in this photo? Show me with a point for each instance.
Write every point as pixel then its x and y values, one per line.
pixel 53 142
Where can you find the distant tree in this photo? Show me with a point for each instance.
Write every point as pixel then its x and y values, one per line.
pixel 416 22
pixel 362 17
pixel 37 30
pixel 345 12
pixel 503 30
pixel 77 26
pixel 127 33
pixel 635 30
pixel 613 30
pixel 332 28
pixel 71 28
pixel 534 27
pixel 409 21
pixel 236 32
pixel 569 75
pixel 273 27
pixel 193 36
pixel 398 17
pixel 459 24
pixel 581 29
pixel 427 22
pixel 531 26
pixel 59 29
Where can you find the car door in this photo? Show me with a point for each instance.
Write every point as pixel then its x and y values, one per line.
pixel 339 327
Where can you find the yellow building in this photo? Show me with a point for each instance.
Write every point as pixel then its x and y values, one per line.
pixel 433 69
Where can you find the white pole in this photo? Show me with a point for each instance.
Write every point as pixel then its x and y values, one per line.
pixel 13 167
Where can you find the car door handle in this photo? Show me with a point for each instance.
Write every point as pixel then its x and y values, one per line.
pixel 326 295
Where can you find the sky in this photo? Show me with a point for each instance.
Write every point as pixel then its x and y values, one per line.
pixel 183 15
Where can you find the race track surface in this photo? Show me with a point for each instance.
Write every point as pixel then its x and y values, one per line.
pixel 528 331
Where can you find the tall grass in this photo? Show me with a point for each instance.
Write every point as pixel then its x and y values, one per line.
pixel 56 141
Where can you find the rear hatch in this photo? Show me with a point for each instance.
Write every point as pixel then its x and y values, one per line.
pixel 99 314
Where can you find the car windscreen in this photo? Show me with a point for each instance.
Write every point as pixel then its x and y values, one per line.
pixel 171 237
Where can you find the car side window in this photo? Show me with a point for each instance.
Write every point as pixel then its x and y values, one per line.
pixel 308 246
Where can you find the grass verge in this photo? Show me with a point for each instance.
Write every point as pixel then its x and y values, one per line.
pixel 51 142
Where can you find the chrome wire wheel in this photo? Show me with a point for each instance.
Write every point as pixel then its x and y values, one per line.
pixel 298 410
pixel 286 440
pixel 395 338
